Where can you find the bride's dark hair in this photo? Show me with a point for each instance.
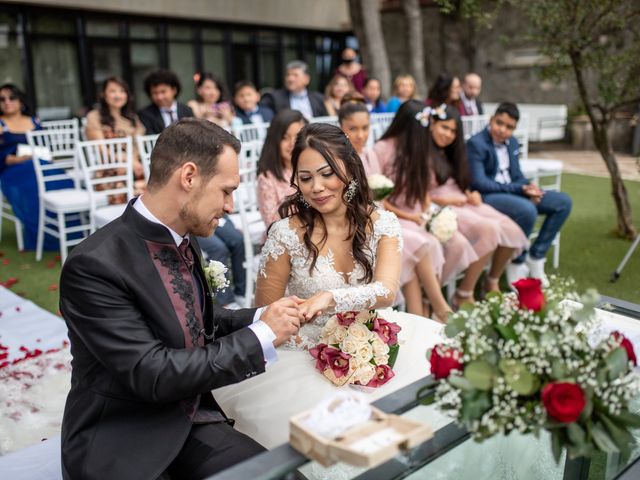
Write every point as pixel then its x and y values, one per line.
pixel 330 142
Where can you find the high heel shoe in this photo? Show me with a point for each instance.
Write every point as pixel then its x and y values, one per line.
pixel 460 298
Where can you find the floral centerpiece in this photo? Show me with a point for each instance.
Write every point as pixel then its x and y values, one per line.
pixel 215 273
pixel 357 348
pixel 443 223
pixel 381 186
pixel 532 361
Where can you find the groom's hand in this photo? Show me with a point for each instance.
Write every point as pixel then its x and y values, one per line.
pixel 283 317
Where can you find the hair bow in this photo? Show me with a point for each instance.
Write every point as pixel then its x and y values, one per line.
pixel 427 112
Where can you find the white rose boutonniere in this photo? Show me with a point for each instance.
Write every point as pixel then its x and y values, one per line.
pixel 215 273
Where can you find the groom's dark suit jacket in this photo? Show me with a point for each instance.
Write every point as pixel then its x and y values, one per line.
pixel 135 386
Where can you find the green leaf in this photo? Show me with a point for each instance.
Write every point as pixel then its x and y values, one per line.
pixel 393 354
pixel 627 418
pixel 588 408
pixel 556 445
pixel 621 437
pixel 518 377
pixel 558 369
pixel 617 362
pixel 454 326
pixel 576 434
pixel 506 331
pixel 474 404
pixel 480 374
pixel 493 294
pixel 603 440
pixel 460 382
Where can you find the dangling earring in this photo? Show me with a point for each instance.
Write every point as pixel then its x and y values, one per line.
pixel 302 201
pixel 350 193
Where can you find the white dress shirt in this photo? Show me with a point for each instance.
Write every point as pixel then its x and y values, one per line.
pixel 470 105
pixel 258 327
pixel 166 116
pixel 300 101
pixel 502 176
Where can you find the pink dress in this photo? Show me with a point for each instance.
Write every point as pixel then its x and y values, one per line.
pixel 483 226
pixel 417 241
pixel 370 162
pixel 271 193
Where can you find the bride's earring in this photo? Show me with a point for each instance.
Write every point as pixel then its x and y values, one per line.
pixel 350 193
pixel 302 201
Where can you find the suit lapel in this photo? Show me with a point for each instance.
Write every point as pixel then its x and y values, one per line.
pixel 493 168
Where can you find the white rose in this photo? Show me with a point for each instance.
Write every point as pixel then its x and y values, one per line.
pixel 359 331
pixel 363 317
pixel 330 327
pixel 377 181
pixel 364 353
pixel 381 359
pixel 329 340
pixel 444 224
pixel 379 347
pixel 364 374
pixel 340 334
pixel 349 345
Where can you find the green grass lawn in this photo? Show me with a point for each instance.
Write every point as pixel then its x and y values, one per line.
pixel 589 250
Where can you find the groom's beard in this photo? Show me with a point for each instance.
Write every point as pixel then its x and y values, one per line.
pixel 200 227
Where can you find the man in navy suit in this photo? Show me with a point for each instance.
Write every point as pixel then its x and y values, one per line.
pixel 163 88
pixel 495 173
pixel 295 95
pixel 245 101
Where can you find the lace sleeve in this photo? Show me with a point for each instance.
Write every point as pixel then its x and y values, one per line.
pixel 381 292
pixel 275 263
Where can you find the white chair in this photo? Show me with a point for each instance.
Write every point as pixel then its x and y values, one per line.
pixel 330 119
pixel 7 212
pixel 57 208
pixel 145 145
pixel 71 124
pixel 107 166
pixel 379 123
pixel 251 132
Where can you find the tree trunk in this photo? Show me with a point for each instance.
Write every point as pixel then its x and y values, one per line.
pixel 600 128
pixel 371 39
pixel 415 42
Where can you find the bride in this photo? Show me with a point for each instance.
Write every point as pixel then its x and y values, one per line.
pixel 335 249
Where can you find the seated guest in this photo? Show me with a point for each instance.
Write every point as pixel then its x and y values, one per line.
pixel 295 95
pixel 351 68
pixel 372 93
pixel 471 87
pixel 116 118
pixel 162 87
pixel 211 103
pixel 355 123
pixel 404 88
pixel 17 176
pixel 336 89
pixel 274 165
pixel 446 89
pixel 496 174
pixel 247 109
pixel 227 243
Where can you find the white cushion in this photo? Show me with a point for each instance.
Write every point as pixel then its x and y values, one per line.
pixel 70 200
pixel 104 215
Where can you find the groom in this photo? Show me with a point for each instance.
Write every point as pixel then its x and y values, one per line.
pixel 147 342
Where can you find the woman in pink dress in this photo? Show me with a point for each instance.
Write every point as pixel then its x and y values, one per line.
pixel 402 152
pixel 490 232
pixel 274 165
pixel 353 117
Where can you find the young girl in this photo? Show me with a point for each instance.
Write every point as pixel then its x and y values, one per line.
pixel 337 88
pixel 404 88
pixel 354 122
pixel 212 103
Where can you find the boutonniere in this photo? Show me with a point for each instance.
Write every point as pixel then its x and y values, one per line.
pixel 215 273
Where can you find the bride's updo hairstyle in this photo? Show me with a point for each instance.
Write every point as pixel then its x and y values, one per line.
pixel 330 142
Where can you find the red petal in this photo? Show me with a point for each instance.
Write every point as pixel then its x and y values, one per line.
pixel 5 261
pixel 53 287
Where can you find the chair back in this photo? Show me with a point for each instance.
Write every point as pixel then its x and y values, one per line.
pixel 107 166
pixel 71 124
pixel 379 123
pixel 473 124
pixel 145 145
pixel 330 119
pixel 54 155
pixel 248 162
pixel 251 132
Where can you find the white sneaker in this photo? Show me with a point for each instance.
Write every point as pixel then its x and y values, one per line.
pixel 516 271
pixel 536 270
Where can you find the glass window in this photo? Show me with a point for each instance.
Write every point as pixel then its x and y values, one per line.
pixel 57 79
pixel 10 52
pixel 267 37
pixel 214 60
pixel 142 30
pixel 241 36
pixel 107 62
pixel 290 39
pixel 103 28
pixel 51 24
pixel 243 63
pixel 212 35
pixel 145 59
pixel 182 62
pixel 269 74
pixel 181 32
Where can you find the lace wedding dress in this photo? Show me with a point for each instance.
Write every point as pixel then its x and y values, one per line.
pixel 263 404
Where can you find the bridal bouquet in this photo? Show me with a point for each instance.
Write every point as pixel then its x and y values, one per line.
pixel 215 273
pixel 381 186
pixel 532 361
pixel 358 348
pixel 443 223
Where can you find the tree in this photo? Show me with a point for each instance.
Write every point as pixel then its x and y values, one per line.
pixel 365 17
pixel 597 43
pixel 415 43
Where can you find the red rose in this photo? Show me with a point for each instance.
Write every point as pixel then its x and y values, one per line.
pixel 564 401
pixel 387 331
pixel 627 345
pixel 346 318
pixel 443 361
pixel 382 376
pixel 530 294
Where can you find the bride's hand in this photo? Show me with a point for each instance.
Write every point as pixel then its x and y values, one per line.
pixel 316 305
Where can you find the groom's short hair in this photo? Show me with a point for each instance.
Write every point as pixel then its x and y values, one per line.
pixel 188 140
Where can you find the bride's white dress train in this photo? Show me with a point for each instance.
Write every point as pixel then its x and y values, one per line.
pixel 263 405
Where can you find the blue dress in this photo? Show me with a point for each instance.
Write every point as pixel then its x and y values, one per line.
pixel 19 186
